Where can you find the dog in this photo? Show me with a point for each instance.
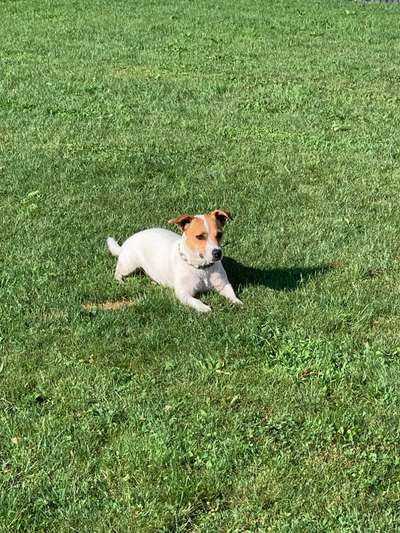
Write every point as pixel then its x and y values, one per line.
pixel 190 264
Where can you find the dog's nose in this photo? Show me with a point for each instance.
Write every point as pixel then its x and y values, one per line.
pixel 217 254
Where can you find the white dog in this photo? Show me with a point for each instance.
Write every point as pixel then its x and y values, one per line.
pixel 190 264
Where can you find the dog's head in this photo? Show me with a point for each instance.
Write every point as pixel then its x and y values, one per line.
pixel 202 236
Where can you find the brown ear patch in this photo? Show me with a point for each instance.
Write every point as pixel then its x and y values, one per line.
pixel 222 216
pixel 182 221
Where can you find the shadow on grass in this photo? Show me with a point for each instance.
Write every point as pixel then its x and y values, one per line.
pixel 278 279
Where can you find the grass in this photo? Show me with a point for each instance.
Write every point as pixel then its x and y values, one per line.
pixel 279 416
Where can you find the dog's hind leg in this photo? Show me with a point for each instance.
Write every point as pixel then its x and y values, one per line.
pixel 125 266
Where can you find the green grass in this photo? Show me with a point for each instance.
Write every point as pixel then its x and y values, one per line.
pixel 282 415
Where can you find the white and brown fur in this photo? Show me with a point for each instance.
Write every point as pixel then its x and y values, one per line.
pixel 190 263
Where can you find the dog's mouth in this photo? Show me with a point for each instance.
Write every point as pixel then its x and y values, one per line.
pixel 205 262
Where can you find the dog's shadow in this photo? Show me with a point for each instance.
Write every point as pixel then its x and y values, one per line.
pixel 278 279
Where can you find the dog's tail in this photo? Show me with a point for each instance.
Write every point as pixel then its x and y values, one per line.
pixel 113 246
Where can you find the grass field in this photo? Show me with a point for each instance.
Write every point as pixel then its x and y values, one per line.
pixel 282 415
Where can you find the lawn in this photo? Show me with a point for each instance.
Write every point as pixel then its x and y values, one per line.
pixel 281 415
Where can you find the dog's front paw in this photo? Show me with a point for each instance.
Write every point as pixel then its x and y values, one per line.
pixel 194 303
pixel 236 301
pixel 203 308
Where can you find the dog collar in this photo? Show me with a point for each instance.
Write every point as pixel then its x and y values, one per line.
pixel 184 257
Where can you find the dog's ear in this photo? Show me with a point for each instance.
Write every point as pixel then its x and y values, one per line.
pixel 182 221
pixel 222 216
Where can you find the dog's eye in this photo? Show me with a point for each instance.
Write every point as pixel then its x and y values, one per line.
pixel 201 237
pixel 219 235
